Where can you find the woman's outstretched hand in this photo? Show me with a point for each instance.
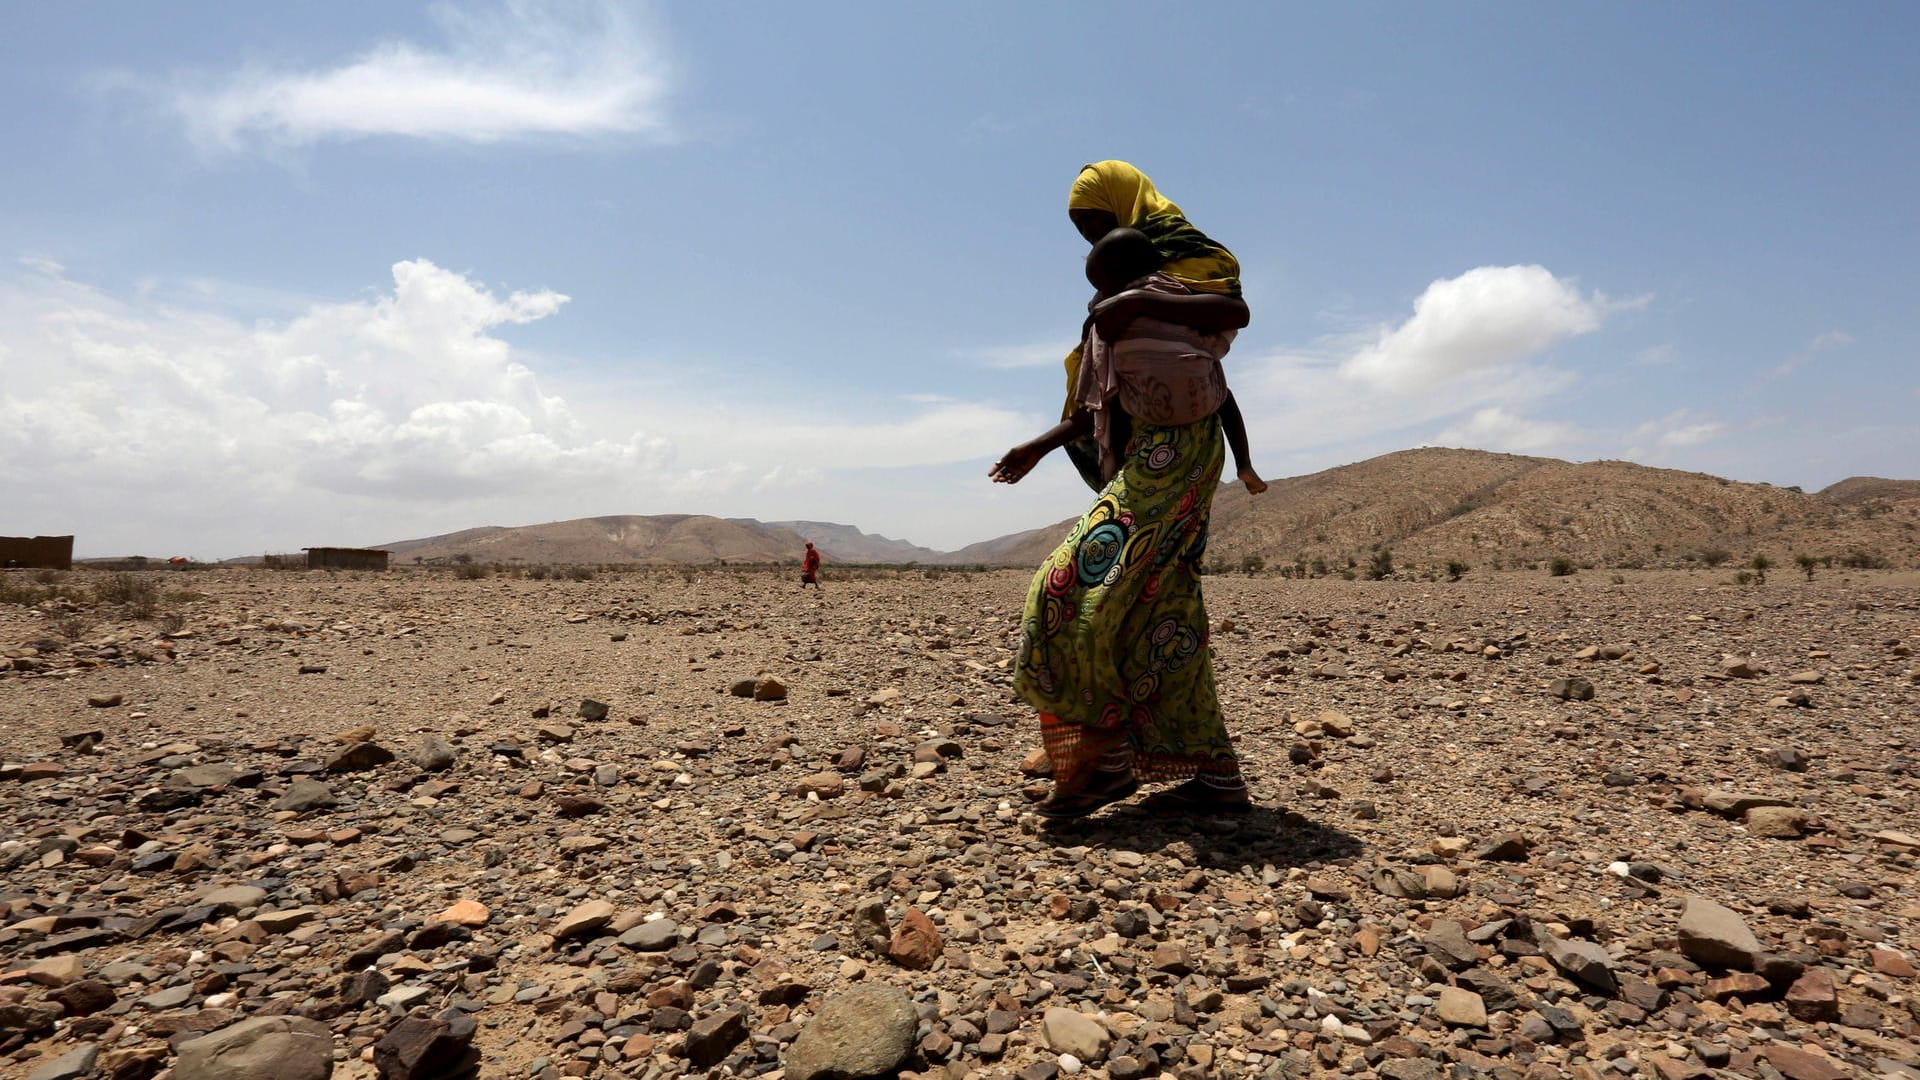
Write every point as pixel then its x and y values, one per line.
pixel 1015 464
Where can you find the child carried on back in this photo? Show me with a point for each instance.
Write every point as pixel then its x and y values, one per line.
pixel 1155 371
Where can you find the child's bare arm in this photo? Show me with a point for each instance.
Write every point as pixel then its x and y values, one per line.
pixel 1210 312
pixel 1235 428
pixel 1020 460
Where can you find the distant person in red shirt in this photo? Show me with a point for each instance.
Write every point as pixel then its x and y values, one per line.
pixel 810 568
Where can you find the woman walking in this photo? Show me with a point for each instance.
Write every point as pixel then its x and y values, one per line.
pixel 1113 649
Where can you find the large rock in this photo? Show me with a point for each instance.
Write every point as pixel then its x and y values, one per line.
pixel 863 1032
pixel 419 1048
pixel 1069 1032
pixel 279 1047
pixel 1715 936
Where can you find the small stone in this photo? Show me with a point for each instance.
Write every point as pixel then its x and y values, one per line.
pixel 1715 936
pixel 359 757
pixel 649 937
pixel 591 710
pixel 104 701
pixel 465 913
pixel 1735 804
pixel 1583 961
pixel 1503 847
pixel 430 752
pixel 1572 688
pixel 1460 1008
pixel 1736 667
pixel 916 941
pixel 71 1065
pixel 711 1039
pixel 769 690
pixel 1070 1032
pixel 1778 822
pixel 584 920
pixel 1812 997
pixel 824 785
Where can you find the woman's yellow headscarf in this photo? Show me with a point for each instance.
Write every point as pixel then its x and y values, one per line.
pixel 1187 255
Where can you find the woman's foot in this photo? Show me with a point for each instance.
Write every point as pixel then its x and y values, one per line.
pixel 1198 796
pixel 1104 789
pixel 1252 480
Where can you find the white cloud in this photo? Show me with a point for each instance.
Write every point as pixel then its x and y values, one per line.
pixel 524 69
pixel 1495 428
pixel 148 426
pixel 1485 320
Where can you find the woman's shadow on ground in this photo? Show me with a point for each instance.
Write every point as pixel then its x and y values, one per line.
pixel 1268 836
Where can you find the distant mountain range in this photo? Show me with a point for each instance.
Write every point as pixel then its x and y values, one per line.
pixel 1428 507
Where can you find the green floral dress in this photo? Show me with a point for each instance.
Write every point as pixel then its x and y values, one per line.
pixel 1113 647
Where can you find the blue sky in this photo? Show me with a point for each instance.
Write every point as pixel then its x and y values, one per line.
pixel 296 274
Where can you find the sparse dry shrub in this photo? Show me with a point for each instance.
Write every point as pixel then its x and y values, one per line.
pixel 16 591
pixel 73 627
pixel 1457 570
pixel 1713 557
pixel 139 596
pixel 579 573
pixel 472 571
pixel 1561 568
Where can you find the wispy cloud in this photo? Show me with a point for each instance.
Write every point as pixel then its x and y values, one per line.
pixel 523 69
pixel 1039 354
pixel 1826 342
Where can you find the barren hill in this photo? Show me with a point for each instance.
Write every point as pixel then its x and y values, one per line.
pixel 844 543
pixel 630 538
pixel 1428 507
pixel 1855 490
pixel 1433 506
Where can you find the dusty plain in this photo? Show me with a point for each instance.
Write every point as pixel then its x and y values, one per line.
pixel 1454 870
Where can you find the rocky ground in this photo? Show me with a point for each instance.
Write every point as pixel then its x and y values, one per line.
pixel 668 824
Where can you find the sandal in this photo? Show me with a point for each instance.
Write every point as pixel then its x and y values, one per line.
pixel 1080 804
pixel 1196 796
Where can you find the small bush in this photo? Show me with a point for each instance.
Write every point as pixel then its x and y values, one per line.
pixel 471 572
pixel 1348 575
pixel 1252 564
pixel 579 573
pixel 1806 563
pixel 1457 570
pixel 73 627
pixel 1561 568
pixel 1743 578
pixel 1760 565
pixel 1380 566
pixel 537 573
pixel 1713 557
